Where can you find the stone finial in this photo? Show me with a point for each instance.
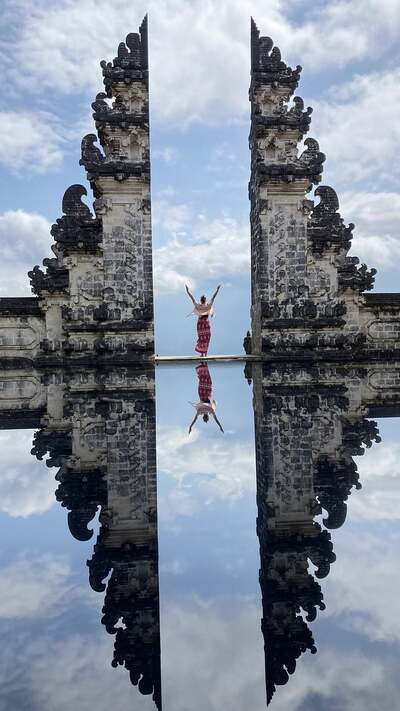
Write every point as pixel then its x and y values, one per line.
pixel 266 61
pixel 282 654
pixel 72 204
pixel 357 278
pixel 100 106
pixel 307 167
pixel 54 280
pixel 312 159
pixel 81 492
pixel 131 63
pixel 326 228
pixel 58 445
pixel 91 155
pixel 333 483
pixel 77 229
pixel 296 117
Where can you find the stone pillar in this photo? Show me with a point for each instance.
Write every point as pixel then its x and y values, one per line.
pixel 120 179
pixel 279 181
pixel 307 293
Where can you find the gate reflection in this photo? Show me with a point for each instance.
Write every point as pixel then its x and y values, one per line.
pixel 99 428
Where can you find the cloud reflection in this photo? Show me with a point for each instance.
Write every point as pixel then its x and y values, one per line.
pixel 370 607
pixel 26 486
pixel 211 469
pixel 37 587
pixel 379 470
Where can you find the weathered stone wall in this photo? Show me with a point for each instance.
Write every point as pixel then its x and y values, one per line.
pixel 22 329
pixel 20 336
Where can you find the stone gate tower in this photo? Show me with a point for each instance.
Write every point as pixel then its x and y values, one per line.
pixel 308 295
pixel 95 296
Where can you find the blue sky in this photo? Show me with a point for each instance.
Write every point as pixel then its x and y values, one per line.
pixel 199 64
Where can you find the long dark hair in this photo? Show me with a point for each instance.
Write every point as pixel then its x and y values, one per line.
pixel 203 299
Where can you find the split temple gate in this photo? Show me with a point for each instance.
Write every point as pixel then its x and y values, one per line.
pixel 77 362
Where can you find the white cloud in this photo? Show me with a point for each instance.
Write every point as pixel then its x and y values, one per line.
pixel 379 470
pixel 76 672
pixel 223 155
pixel 214 637
pixel 172 217
pixel 217 644
pixel 23 234
pixel 377 250
pixel 71 671
pixel 24 241
pixel 47 661
pixel 345 30
pixel 29 588
pixel 173 567
pixel 339 679
pixel 30 142
pixel 377 234
pixel 356 128
pixel 215 250
pixel 370 608
pixel 167 154
pixel 371 209
pixel 222 469
pixel 199 638
pixel 27 486
pixel 199 53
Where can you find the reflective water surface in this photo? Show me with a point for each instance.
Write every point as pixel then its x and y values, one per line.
pixel 200 538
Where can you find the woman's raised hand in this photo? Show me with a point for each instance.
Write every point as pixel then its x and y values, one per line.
pixel 189 294
pixel 215 293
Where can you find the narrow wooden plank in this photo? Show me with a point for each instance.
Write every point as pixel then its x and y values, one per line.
pixel 210 358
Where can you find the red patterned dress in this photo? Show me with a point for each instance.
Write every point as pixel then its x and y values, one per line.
pixel 205 383
pixel 203 334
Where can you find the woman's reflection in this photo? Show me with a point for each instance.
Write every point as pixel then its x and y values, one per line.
pixel 206 406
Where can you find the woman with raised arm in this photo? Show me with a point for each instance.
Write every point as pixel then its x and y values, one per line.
pixel 203 309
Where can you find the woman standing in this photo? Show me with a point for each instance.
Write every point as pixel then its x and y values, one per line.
pixel 203 310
